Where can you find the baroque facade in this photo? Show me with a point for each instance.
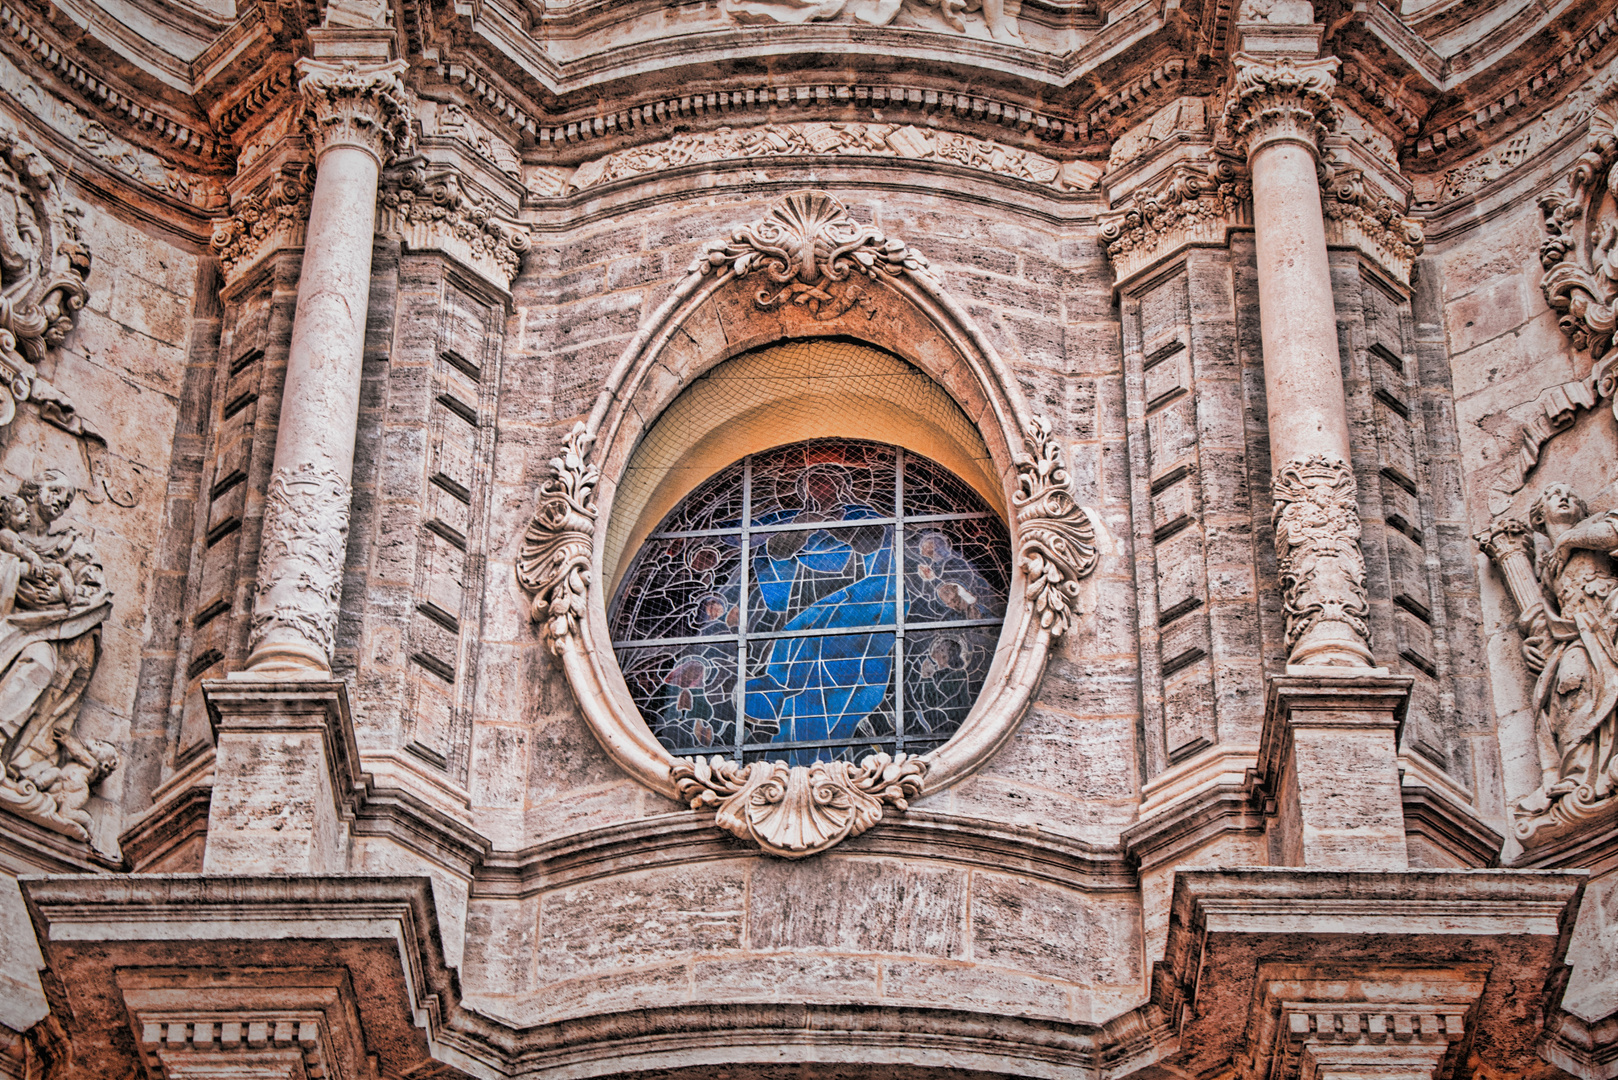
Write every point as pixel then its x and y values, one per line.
pixel 809 538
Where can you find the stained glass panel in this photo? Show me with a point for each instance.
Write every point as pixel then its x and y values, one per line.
pixel 812 612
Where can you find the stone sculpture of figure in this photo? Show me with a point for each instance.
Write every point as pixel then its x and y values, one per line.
pixel 1570 642
pixel 999 16
pixel 55 598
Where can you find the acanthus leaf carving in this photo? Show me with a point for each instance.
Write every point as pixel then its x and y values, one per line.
pixel 1195 202
pixel 554 563
pixel 300 562
pixel 806 246
pixel 797 810
pixel 1056 538
pixel 350 104
pixel 277 215
pixel 432 206
pixel 1356 214
pixel 53 600
pixel 1282 96
pixel 1319 562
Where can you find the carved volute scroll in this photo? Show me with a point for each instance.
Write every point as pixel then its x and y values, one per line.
pixel 432 206
pixel 1580 252
pixel 347 104
pixel 554 565
pixel 274 215
pixel 1280 98
pixel 811 255
pixel 43 267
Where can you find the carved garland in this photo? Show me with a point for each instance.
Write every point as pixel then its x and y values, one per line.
pixel 300 577
pixel 810 252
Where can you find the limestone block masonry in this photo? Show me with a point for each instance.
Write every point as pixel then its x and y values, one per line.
pixel 864 540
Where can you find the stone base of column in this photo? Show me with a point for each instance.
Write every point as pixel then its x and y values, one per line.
pixel 286 776
pixel 1286 974
pixel 1328 768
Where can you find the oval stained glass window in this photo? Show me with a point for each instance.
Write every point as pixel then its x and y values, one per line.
pixel 863 616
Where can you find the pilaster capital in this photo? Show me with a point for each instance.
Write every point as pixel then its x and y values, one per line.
pixel 438 207
pixel 348 102
pixel 1280 98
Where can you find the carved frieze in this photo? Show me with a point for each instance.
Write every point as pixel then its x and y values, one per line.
pixel 554 564
pixel 273 217
pixel 996 19
pixel 1567 599
pixel 904 141
pixel 300 578
pixel 1580 254
pixel 1196 202
pixel 798 810
pixel 1318 559
pixel 53 600
pixel 1280 97
pixel 352 105
pixel 1057 540
pixel 432 208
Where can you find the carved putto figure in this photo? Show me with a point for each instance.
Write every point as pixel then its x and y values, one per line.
pixel 1569 626
pixel 53 600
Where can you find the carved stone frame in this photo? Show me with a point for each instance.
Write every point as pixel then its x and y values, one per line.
pixel 717 311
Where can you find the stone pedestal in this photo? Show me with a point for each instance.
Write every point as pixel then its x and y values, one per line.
pixel 1328 760
pixel 285 777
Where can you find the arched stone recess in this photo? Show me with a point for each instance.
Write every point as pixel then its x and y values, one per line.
pixel 808 270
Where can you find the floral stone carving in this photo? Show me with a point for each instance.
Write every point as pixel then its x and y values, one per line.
pixel 431 207
pixel 1580 254
pixel 1282 96
pixel 1057 540
pixel 1318 559
pixel 1568 602
pixel 53 600
pixel 1193 203
pixel 554 564
pixel 276 215
pixel 300 561
pixel 996 19
pixel 43 267
pixel 809 246
pixel 797 810
pixel 352 105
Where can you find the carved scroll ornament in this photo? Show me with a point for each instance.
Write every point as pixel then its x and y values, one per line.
pixel 554 564
pixel 43 267
pixel 276 215
pixel 1057 541
pixel 1318 559
pixel 430 206
pixel 809 246
pixel 797 810
pixel 1580 252
pixel 1193 202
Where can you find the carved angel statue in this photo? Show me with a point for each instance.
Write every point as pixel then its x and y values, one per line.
pixel 53 600
pixel 1569 626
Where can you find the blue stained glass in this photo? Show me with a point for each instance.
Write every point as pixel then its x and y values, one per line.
pixel 812 615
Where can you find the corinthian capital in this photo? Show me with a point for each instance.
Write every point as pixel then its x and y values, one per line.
pixel 353 104
pixel 1280 98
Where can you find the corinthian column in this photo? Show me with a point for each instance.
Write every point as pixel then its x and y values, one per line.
pixel 1276 109
pixel 356 118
